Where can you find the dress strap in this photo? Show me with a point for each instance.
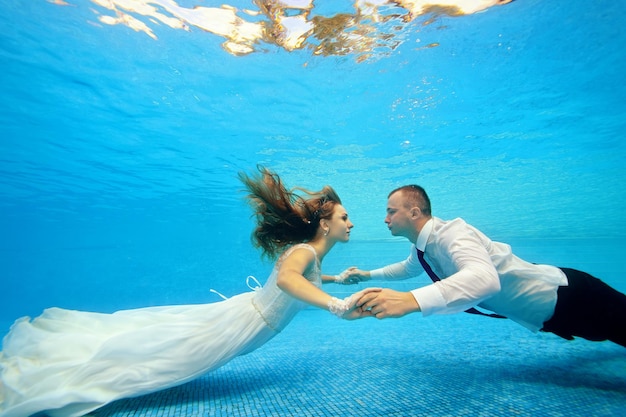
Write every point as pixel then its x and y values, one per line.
pixel 256 281
pixel 257 287
pixel 219 293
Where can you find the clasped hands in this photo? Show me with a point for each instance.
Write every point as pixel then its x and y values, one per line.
pixel 376 302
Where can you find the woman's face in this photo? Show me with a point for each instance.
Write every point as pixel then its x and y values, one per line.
pixel 339 224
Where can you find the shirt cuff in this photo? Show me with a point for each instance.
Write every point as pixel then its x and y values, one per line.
pixel 377 273
pixel 429 299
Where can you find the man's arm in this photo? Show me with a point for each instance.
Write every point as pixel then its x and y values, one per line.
pixel 410 267
pixel 468 275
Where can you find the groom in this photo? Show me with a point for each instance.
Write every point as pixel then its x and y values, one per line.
pixel 468 269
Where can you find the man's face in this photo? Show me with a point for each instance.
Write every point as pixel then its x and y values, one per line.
pixel 398 217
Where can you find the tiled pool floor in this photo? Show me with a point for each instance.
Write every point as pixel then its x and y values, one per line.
pixel 460 365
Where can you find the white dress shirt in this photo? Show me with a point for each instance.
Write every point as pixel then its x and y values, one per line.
pixel 476 271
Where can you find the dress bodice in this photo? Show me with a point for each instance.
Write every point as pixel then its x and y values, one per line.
pixel 276 306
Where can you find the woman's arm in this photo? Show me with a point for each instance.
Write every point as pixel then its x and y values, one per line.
pixel 328 278
pixel 291 279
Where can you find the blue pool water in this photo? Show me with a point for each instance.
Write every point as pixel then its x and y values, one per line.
pixel 120 148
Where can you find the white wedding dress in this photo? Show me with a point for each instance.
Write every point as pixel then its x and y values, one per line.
pixel 67 363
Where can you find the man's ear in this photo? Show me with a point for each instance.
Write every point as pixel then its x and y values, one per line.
pixel 416 212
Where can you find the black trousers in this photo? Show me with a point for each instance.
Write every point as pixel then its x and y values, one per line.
pixel 588 308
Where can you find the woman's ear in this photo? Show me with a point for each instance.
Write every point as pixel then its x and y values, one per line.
pixel 324 226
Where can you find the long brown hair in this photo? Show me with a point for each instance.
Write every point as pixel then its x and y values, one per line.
pixel 285 217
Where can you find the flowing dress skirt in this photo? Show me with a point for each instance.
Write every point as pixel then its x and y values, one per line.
pixel 68 363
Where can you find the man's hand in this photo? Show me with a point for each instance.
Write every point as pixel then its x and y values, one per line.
pixel 355 312
pixel 352 275
pixel 385 303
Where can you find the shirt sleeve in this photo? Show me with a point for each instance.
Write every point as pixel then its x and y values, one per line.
pixel 467 271
pixel 408 268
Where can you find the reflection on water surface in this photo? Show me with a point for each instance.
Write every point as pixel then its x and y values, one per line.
pixel 368 28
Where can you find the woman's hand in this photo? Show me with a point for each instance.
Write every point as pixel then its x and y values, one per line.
pixel 352 275
pixel 354 311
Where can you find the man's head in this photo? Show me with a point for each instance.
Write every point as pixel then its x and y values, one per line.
pixel 408 209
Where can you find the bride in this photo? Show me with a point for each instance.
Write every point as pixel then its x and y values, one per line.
pixel 67 363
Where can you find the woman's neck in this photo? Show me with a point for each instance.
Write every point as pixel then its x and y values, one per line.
pixel 322 247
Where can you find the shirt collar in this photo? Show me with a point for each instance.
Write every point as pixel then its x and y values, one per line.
pixel 424 234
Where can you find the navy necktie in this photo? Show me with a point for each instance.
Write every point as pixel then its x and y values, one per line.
pixel 435 278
